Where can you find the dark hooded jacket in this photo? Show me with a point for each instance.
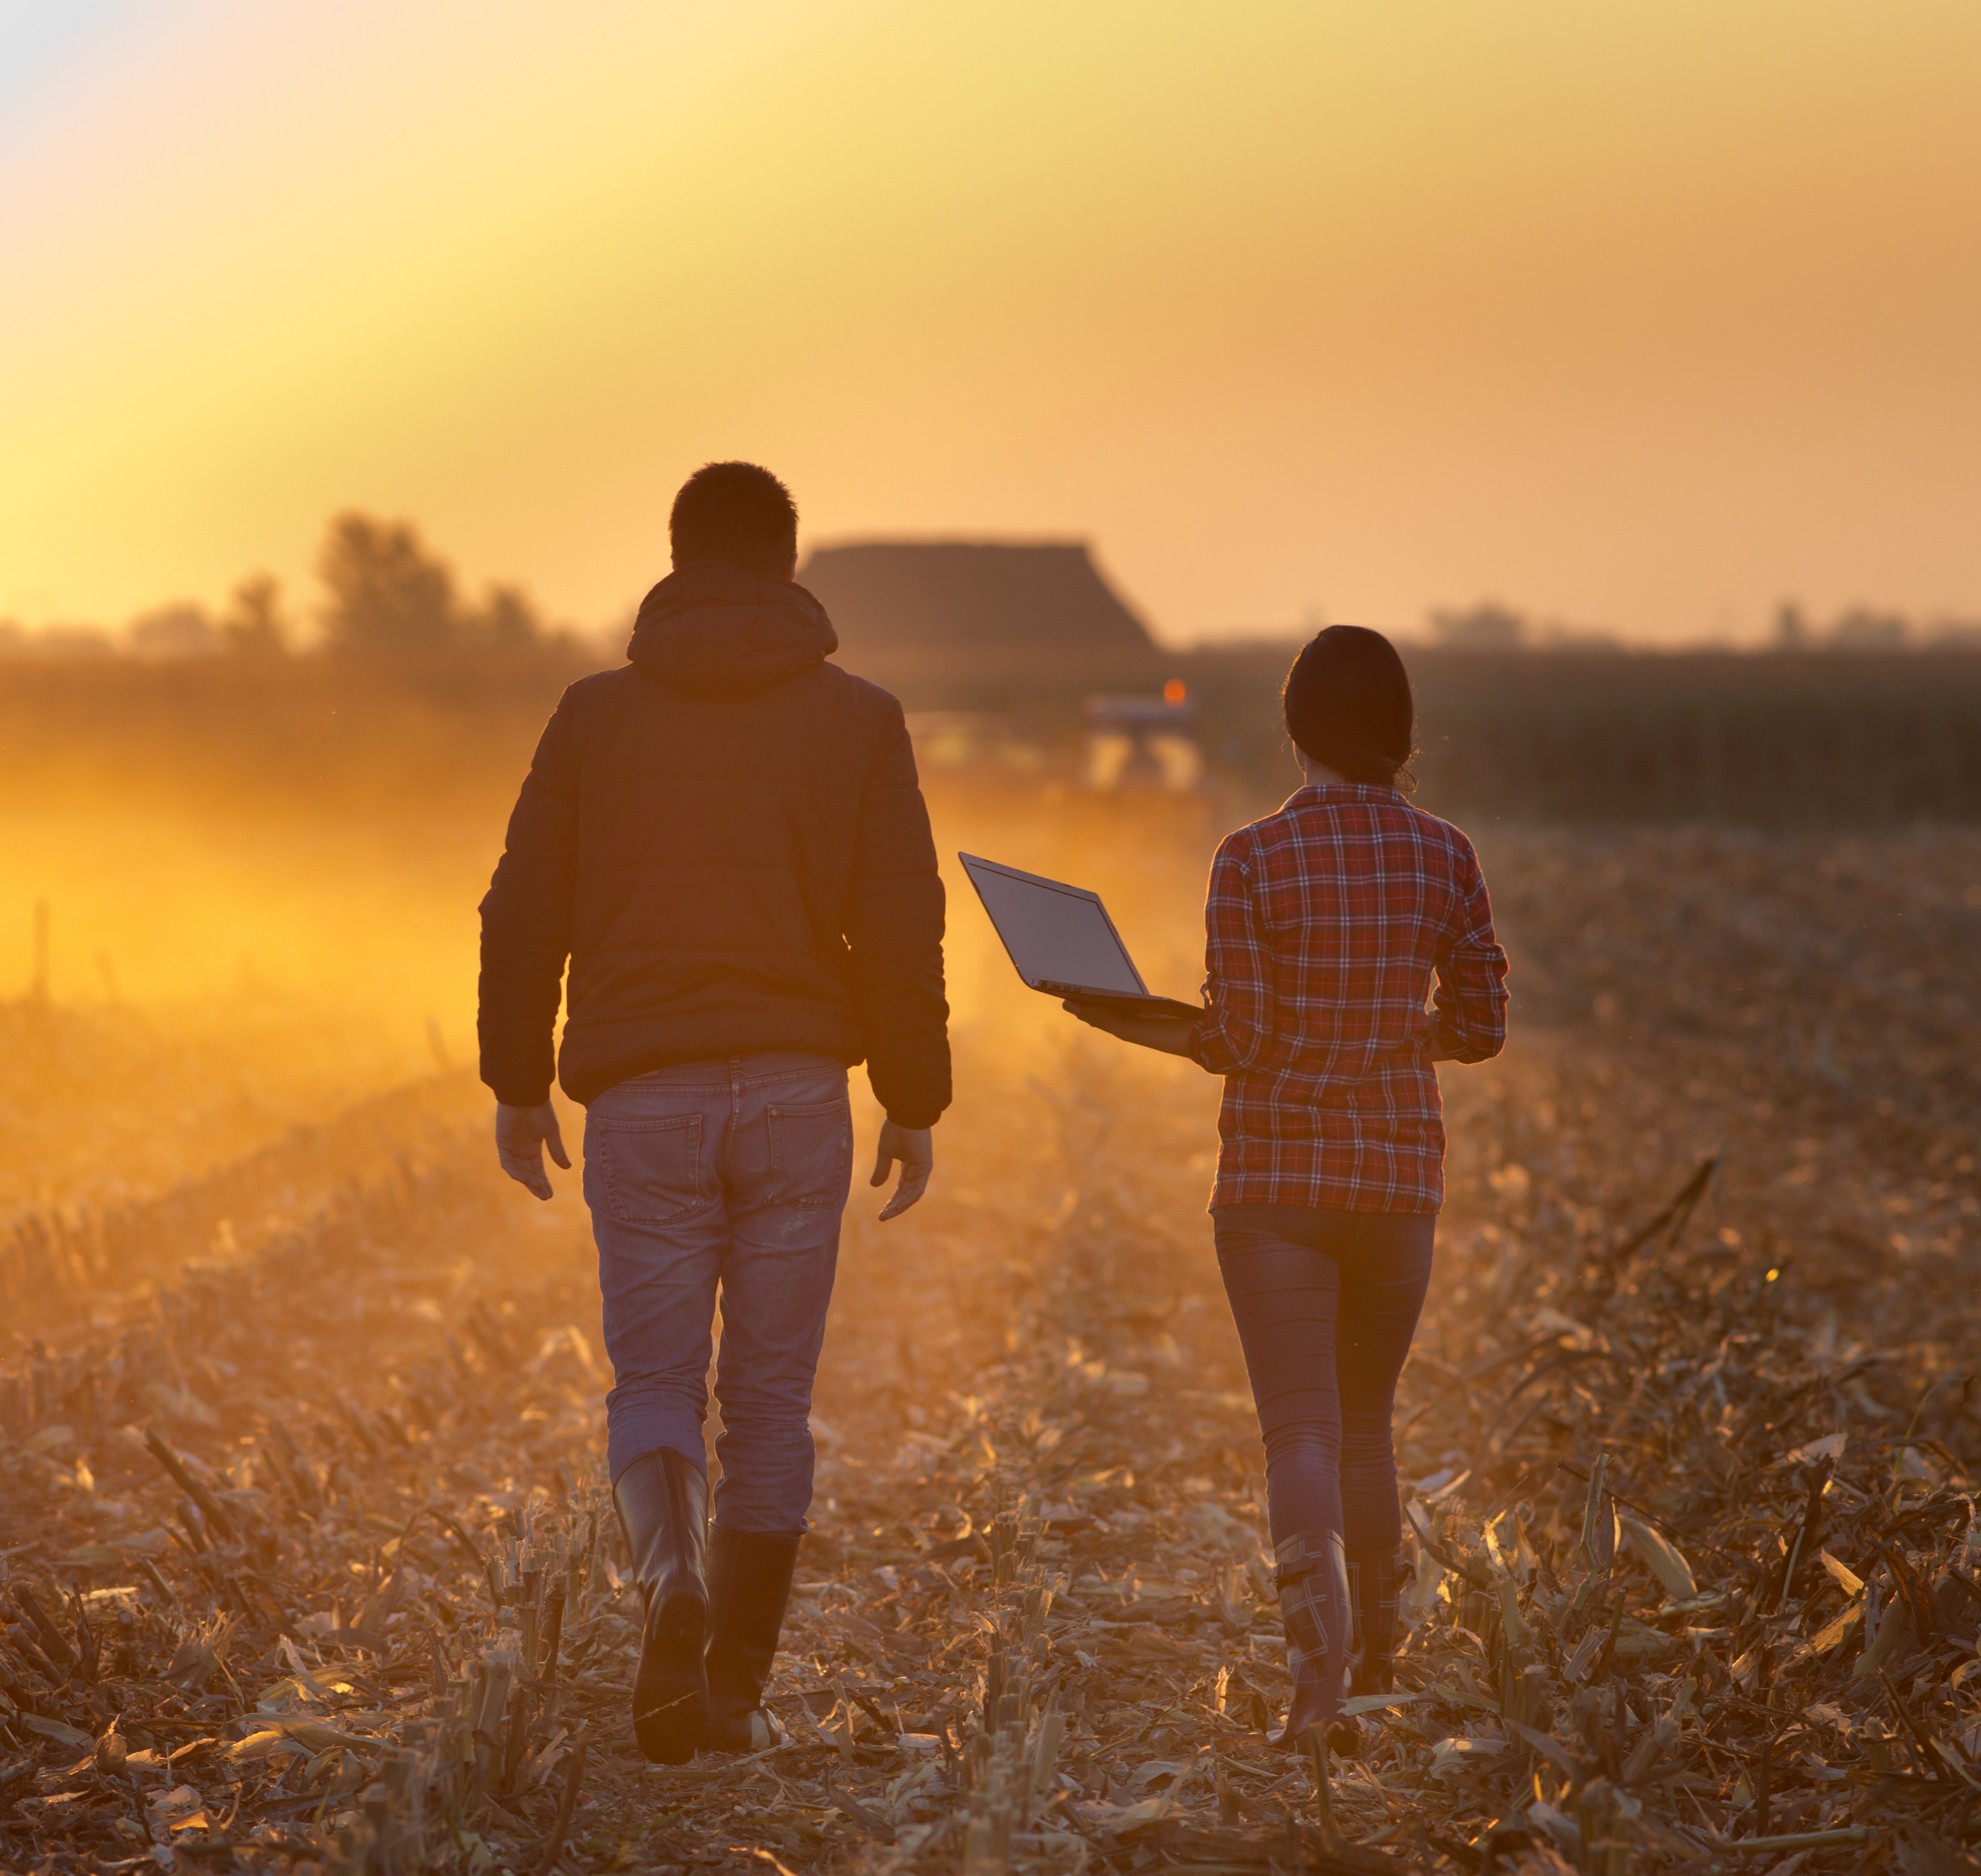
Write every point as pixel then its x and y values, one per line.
pixel 726 840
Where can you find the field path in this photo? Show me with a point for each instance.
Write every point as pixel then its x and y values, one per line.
pixel 307 1557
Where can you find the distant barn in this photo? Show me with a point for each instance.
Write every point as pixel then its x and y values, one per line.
pixel 889 597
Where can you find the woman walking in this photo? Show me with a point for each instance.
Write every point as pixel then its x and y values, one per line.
pixel 1328 924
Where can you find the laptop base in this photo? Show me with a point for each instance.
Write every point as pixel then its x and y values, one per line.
pixel 1127 1005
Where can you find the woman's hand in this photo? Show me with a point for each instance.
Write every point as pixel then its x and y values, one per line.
pixel 1166 1035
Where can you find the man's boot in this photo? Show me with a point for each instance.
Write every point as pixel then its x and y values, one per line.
pixel 1312 1580
pixel 663 1501
pixel 749 1585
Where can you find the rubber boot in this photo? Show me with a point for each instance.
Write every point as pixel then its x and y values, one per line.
pixel 663 1501
pixel 1312 1580
pixel 1375 1579
pixel 749 1585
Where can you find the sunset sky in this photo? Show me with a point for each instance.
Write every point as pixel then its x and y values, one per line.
pixel 1641 314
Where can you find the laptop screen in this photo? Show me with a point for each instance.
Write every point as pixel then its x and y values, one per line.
pixel 1055 934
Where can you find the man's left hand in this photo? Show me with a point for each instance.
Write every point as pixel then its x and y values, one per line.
pixel 521 1134
pixel 914 1147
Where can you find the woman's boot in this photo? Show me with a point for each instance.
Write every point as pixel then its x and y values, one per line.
pixel 749 1585
pixel 663 1501
pixel 1312 1580
pixel 1375 1579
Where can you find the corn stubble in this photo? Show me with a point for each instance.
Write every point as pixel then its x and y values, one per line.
pixel 308 1562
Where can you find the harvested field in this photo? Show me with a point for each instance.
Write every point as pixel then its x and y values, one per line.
pixel 306 1562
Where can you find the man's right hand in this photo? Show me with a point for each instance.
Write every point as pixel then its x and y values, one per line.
pixel 915 1147
pixel 521 1134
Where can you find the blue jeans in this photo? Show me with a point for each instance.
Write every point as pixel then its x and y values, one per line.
pixel 729 1175
pixel 1326 1304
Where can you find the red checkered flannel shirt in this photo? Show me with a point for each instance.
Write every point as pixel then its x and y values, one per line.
pixel 1325 925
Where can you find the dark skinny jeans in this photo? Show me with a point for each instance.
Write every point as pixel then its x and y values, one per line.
pixel 1326 1304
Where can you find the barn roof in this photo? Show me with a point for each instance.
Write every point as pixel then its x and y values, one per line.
pixel 940 595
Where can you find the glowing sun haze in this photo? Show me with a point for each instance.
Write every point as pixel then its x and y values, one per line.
pixel 1639 315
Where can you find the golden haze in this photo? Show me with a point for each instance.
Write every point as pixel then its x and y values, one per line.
pixel 1638 316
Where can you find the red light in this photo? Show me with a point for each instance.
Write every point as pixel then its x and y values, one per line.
pixel 1175 691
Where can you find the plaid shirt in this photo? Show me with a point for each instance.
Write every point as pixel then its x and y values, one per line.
pixel 1325 924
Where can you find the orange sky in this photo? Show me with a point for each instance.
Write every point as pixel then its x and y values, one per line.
pixel 1635 315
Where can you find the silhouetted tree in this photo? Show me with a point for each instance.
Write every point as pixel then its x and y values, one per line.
pixel 386 594
pixel 254 625
pixel 506 620
pixel 1485 627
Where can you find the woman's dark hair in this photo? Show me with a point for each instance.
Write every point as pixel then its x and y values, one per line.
pixel 738 513
pixel 1347 700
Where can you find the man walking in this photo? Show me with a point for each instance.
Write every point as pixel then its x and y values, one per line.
pixel 725 840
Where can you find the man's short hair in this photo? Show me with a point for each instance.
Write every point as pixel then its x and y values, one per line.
pixel 735 512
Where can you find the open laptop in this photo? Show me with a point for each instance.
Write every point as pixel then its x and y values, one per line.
pixel 1062 941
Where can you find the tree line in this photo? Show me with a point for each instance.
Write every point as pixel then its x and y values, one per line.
pixel 384 594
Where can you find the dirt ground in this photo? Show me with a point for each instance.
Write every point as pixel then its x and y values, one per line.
pixel 308 1562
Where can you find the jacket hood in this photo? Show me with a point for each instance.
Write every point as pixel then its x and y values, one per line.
pixel 714 630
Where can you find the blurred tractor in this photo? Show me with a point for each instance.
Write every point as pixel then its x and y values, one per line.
pixel 1143 745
